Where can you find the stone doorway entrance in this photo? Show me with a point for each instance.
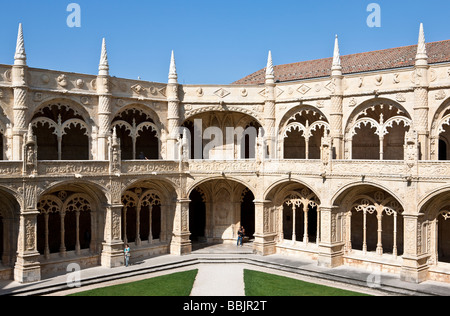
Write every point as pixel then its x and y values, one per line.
pixel 217 210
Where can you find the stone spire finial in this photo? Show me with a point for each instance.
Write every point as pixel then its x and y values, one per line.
pixel 270 72
pixel 103 69
pixel 173 77
pixel 20 58
pixel 422 46
pixel 115 140
pixel 336 68
pixel 30 135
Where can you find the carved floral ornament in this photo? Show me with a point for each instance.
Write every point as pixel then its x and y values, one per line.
pixel 139 198
pixel 305 197
pixel 59 127
pixel 380 126
pixel 307 130
pixel 76 202
pixel 444 121
pixel 135 130
pixel 445 214
pixel 378 204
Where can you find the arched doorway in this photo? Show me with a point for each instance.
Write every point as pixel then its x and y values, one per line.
pixel 248 213
pixel 197 216
pixel 217 210
pixel 9 225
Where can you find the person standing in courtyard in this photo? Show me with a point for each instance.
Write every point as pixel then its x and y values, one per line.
pixel 241 234
pixel 127 255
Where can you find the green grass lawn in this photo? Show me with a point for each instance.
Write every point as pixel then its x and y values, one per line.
pixel 263 284
pixel 256 284
pixel 177 284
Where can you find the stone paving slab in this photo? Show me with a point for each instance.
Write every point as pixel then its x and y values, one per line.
pixel 219 280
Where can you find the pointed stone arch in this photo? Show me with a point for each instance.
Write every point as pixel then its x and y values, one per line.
pixel 372 220
pixel 217 142
pixel 295 211
pixel 147 214
pixel 217 210
pixel 300 132
pixel 376 130
pixel 63 130
pixel 140 132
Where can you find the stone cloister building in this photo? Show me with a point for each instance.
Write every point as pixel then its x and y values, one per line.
pixel 347 165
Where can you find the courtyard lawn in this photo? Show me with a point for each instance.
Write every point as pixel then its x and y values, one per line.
pixel 177 284
pixel 263 284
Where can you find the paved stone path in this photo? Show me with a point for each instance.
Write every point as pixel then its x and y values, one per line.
pixel 219 280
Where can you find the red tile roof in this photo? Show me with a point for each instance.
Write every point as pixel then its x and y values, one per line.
pixel 438 52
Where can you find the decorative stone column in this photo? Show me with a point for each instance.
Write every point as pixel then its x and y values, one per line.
pixel 104 105
pixel 20 87
pixel 181 243
pixel 112 254
pixel 331 249
pixel 265 239
pixel 415 267
pixel 173 114
pixel 421 85
pixel 336 113
pixel 27 268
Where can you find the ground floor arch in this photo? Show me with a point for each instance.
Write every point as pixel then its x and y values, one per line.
pixel 218 208
pixel 372 221
pixel 436 229
pixel 295 213
pixel 147 213
pixel 70 221
pixel 9 226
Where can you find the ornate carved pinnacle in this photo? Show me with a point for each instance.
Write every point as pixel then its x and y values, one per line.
pixel 270 72
pixel 173 70
pixel 421 47
pixel 104 64
pixel 20 58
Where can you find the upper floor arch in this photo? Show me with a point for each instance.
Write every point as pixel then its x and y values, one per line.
pixel 300 133
pixel 376 130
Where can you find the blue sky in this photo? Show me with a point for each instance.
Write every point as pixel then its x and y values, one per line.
pixel 215 42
